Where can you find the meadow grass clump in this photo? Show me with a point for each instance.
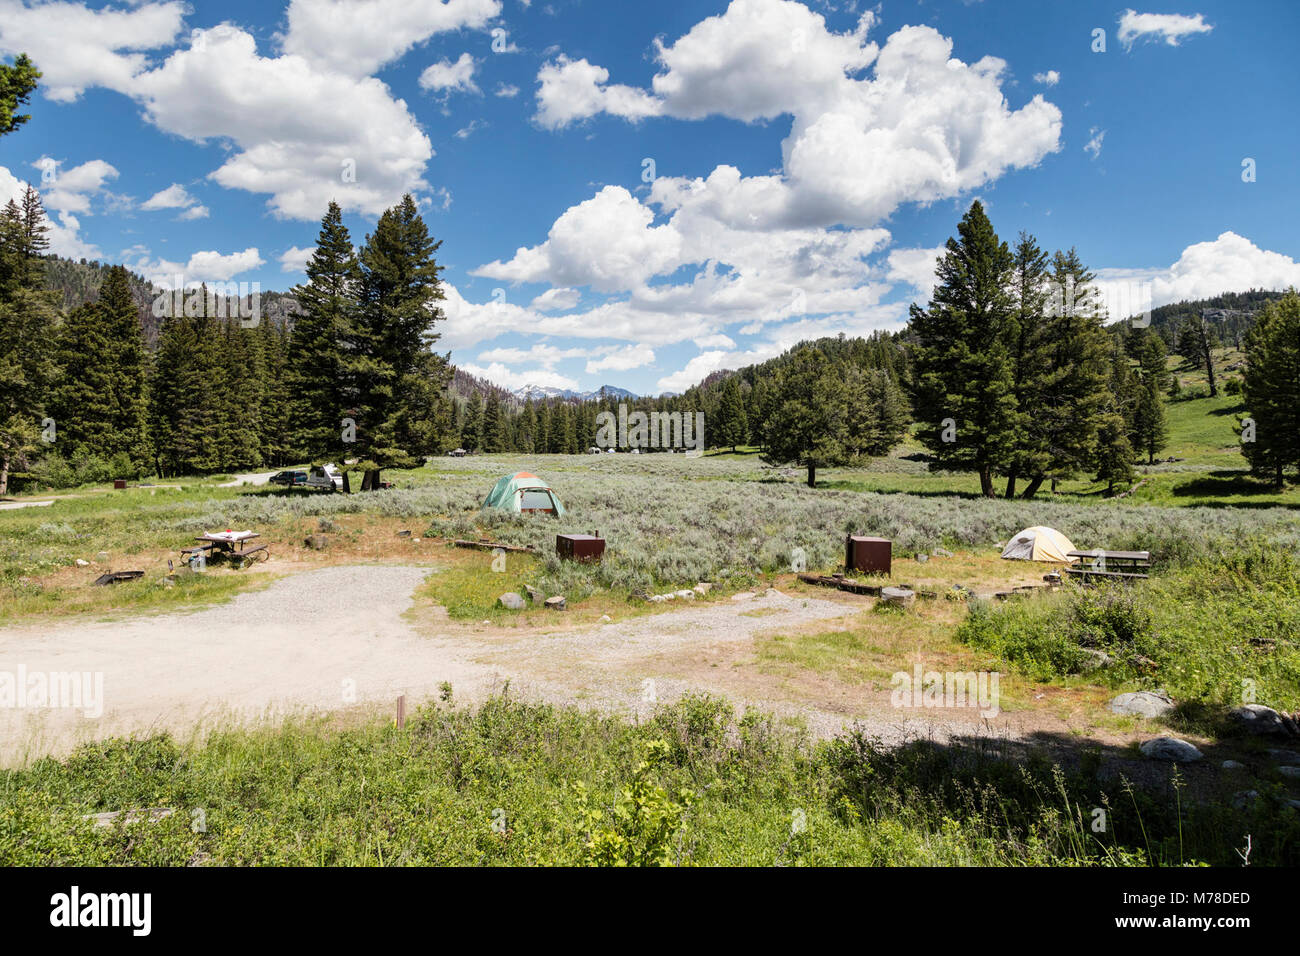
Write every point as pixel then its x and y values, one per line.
pixel 1200 631
pixel 515 783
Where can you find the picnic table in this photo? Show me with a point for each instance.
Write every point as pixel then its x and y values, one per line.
pixel 1116 565
pixel 233 545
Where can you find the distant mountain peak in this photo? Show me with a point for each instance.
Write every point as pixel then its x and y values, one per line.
pixel 540 392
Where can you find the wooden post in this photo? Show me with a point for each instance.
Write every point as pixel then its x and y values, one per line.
pixel 401 712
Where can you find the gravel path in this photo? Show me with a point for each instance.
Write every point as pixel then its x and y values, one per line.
pixel 336 637
pixel 15 505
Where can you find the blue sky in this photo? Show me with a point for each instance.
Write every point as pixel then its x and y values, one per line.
pixel 641 194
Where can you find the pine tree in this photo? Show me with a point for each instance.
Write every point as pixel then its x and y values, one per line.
pixel 1270 435
pixel 1031 293
pixel 732 427
pixel 965 400
pixel 471 435
pixel 390 363
pixel 82 400
pixel 1150 424
pixel 27 323
pixel 17 83
pixel 127 361
pixel 319 397
pixel 808 424
pixel 1066 399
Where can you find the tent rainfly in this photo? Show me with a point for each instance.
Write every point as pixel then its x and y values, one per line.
pixel 1040 544
pixel 523 493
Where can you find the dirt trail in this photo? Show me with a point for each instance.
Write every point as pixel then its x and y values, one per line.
pixel 332 638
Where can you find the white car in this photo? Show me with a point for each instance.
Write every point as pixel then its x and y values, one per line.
pixel 324 478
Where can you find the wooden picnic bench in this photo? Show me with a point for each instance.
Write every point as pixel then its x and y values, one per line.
pixel 1112 565
pixel 236 551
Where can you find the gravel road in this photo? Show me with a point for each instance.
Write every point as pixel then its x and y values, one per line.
pixel 336 637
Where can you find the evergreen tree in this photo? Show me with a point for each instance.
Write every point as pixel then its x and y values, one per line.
pixel 319 398
pixel 390 365
pixel 471 435
pixel 27 324
pixel 127 362
pixel 82 400
pixel 732 426
pixel 808 424
pixel 1270 436
pixel 17 83
pixel 1065 397
pixel 1150 424
pixel 965 400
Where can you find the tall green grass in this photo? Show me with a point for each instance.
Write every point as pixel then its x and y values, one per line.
pixel 511 783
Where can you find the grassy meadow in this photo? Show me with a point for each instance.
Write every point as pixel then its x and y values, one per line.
pixel 513 782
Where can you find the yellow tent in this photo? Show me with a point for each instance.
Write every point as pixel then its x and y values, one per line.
pixel 1040 544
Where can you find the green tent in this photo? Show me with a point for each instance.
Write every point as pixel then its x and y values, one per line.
pixel 524 493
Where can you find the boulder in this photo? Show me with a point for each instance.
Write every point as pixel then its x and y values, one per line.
pixel 82 563
pixel 902 597
pixel 1258 719
pixel 511 601
pixel 317 542
pixel 1095 660
pixel 1291 773
pixel 686 594
pixel 556 603
pixel 605 619
pixel 534 595
pixel 1171 748
pixel 1283 756
pixel 1142 703
pixel 922 557
pixel 1232 765
pixel 703 588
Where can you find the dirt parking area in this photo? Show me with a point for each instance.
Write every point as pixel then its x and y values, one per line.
pixel 342 637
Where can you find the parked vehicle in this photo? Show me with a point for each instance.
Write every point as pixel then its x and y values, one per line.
pixel 324 478
pixel 289 478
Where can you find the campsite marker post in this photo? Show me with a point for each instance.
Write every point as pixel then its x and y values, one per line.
pixel 401 712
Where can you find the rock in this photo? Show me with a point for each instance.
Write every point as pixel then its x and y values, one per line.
pixel 1283 756
pixel 317 542
pixel 1171 748
pixel 1232 765
pixel 82 563
pixel 1095 660
pixel 686 594
pixel 102 557
pixel 703 588
pixel 1292 773
pixel 556 603
pixel 658 598
pixel 605 619
pixel 534 595
pixel 902 597
pixel 772 592
pixel 1243 799
pixel 1142 703
pixel 744 596
pixel 1258 719
pixel 511 601
pixel 922 557
pixel 669 596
